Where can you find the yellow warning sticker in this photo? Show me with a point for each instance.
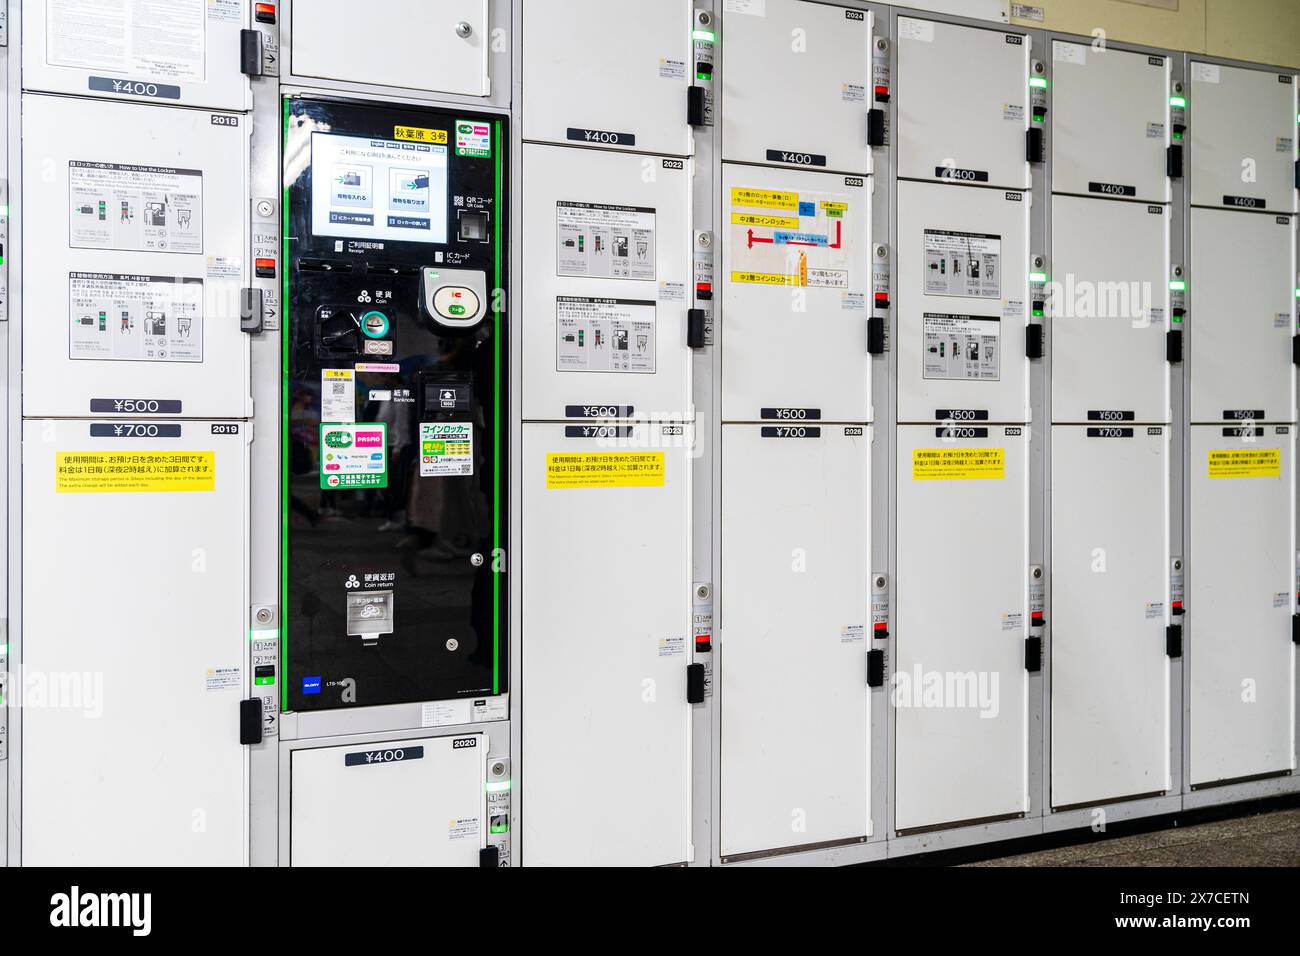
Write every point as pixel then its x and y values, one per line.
pixel 958 464
pixel 1246 463
pixel 764 198
pixel 611 469
pixel 414 134
pixel 756 219
pixel 96 472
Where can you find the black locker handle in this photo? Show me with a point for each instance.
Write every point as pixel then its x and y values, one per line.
pixel 695 324
pixel 875 127
pixel 1034 144
pixel 876 668
pixel 1174 345
pixel 1295 350
pixel 1174 163
pixel 1033 654
pixel 250 721
pixel 1034 340
pixel 250 53
pixel 694 683
pixel 876 335
pixel 1174 641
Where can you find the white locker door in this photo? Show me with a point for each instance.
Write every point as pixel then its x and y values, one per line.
pixel 1242 137
pixel 1110 607
pixel 963 290
pixel 960 686
pixel 1240 601
pixel 135 647
pixel 796 289
pixel 606 627
pixel 963 103
pixel 415 802
pixel 171 52
pixel 1110 126
pixel 1109 311
pixel 411 44
pixel 142 219
pixel 1241 314
pixel 795 631
pixel 796 86
pixel 609 73
pixel 607 269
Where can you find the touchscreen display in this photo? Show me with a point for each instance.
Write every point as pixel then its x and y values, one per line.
pixel 380 189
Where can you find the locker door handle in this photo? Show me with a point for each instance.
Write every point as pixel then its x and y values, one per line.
pixel 1174 345
pixel 250 721
pixel 1295 350
pixel 1174 163
pixel 1033 654
pixel 1174 641
pixel 695 323
pixel 1034 150
pixel 876 668
pixel 1295 628
pixel 1034 340
pixel 695 683
pixel 250 53
pixel 875 127
pixel 490 856
pixel 876 335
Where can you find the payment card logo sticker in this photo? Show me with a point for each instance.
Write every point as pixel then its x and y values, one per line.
pixel 353 456
pixel 473 139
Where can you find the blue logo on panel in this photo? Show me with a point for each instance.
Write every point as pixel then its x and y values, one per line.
pixel 311 685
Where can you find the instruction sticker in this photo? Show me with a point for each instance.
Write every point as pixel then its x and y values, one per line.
pixel 338 395
pixel 446 449
pixel 962 347
pixel 800 239
pixel 958 464
pixel 98 472
pixel 604 335
pixel 353 456
pixel 611 469
pixel 604 242
pixel 161 39
pixel 135 318
pixel 135 208
pixel 966 264
pixel 1245 463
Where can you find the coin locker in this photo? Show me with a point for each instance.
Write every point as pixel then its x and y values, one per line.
pixel 1242 137
pixel 170 52
pixel 1109 612
pixel 795 591
pixel 1110 122
pixel 1241 600
pixel 797 85
pixel 1241 316
pixel 606 630
pixel 607 263
pixel 410 44
pixel 963 289
pixel 414 802
pixel 169 506
pixel 796 284
pixel 959 684
pixel 144 219
pixel 609 74
pixel 1109 311
pixel 963 103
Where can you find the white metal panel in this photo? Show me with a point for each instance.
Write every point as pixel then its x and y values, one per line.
pixel 1109 609
pixel 410 44
pixel 1109 310
pixel 1241 598
pixel 1241 316
pixel 978 223
pixel 568 193
pixel 996 10
pixel 796 289
pixel 608 73
pixel 963 103
pixel 172 52
pixel 796 85
pixel 107 274
pixel 795 631
pixel 1242 137
pixel 606 627
pixel 1110 121
pixel 135 649
pixel 416 802
pixel 960 688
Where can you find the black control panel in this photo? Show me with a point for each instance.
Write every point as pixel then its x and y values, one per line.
pixel 395 405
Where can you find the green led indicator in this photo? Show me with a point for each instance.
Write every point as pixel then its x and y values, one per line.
pixel 1178 285
pixel 704 35
pixel 1038 82
pixel 4 650
pixel 264 681
pixel 1178 135
pixel 1038 277
pixel 1177 102
pixel 1038 313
